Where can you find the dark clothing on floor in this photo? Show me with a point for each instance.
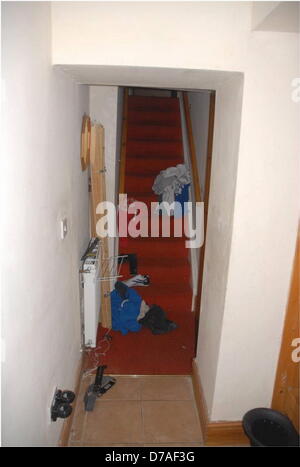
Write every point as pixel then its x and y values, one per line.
pixel 156 320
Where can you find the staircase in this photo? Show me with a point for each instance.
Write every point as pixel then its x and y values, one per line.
pixel 154 143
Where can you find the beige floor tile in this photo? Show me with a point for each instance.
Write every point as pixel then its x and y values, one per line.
pixel 157 388
pixel 79 412
pixel 166 417
pixel 126 388
pixel 170 422
pixel 114 422
pixel 77 425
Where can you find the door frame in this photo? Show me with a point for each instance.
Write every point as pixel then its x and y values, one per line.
pixel 287 373
pixel 209 152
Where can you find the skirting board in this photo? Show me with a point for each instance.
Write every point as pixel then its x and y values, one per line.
pixel 223 433
pixel 66 428
pixel 226 434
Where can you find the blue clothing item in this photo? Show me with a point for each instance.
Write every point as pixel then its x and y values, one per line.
pixel 180 209
pixel 125 311
pixel 182 198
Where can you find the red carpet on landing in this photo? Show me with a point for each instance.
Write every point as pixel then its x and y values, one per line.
pixel 154 143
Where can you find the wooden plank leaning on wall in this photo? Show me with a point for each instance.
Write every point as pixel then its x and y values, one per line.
pixel 286 388
pixel 85 142
pixel 123 143
pixel 98 194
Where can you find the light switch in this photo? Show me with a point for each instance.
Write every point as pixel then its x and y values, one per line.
pixel 63 228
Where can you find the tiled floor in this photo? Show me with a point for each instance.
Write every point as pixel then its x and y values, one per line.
pixel 139 411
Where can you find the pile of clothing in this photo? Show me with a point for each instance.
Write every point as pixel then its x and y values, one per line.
pixel 130 312
pixel 172 185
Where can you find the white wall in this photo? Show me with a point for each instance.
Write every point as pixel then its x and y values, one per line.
pixel 276 16
pixel 264 228
pixel 208 36
pixel 104 109
pixel 261 11
pixel 165 34
pixel 41 182
pixel 219 230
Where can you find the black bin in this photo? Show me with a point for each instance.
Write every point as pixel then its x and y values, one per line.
pixel 267 427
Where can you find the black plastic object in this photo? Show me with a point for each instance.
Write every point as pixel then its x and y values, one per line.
pixel 98 388
pixel 93 243
pixel 266 427
pixel 61 407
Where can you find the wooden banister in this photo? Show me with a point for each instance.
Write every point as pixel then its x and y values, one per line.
pixel 193 157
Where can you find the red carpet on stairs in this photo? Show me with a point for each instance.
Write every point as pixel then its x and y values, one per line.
pixel 154 143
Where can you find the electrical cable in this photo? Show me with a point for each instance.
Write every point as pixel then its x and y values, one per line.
pixel 97 352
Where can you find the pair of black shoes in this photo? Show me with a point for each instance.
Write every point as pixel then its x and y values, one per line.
pixel 61 406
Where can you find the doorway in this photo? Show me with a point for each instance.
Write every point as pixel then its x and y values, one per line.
pixel 229 93
pixel 157 136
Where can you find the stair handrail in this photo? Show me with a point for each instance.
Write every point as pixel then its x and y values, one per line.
pixel 192 150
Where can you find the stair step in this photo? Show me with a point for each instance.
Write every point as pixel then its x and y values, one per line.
pixel 153 118
pixel 168 294
pixel 150 247
pixel 155 157
pixel 156 132
pixel 163 262
pixel 164 273
pixel 144 197
pixel 154 164
pixel 140 174
pixel 153 148
pixel 171 236
pixel 160 229
pixel 164 104
pixel 139 184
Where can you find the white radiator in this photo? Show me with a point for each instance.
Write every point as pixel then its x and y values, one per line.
pixel 91 299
